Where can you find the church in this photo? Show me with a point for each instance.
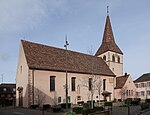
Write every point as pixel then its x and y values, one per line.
pixel 41 73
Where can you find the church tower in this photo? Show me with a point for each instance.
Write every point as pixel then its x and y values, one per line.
pixel 109 51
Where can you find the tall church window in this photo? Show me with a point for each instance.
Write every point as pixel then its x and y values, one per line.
pixel 113 58
pixel 52 83
pixel 73 83
pixel 104 57
pixel 104 84
pixel 90 84
pixel 118 59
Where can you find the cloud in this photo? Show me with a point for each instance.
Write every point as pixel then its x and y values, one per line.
pixel 19 15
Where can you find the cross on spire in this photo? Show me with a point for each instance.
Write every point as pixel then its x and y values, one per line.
pixel 107 10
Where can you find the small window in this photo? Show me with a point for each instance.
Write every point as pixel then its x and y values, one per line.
pixel 52 83
pixel 21 68
pixel 73 83
pixel 104 57
pixel 78 98
pixel 59 99
pixel 113 58
pixel 142 93
pixel 4 89
pixel 118 59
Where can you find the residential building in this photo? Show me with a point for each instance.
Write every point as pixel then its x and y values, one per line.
pixel 143 86
pixel 7 94
pixel 125 87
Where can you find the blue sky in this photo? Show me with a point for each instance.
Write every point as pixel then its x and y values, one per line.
pixel 48 21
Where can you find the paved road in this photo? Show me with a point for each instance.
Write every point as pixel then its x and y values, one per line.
pixel 20 111
pixel 146 113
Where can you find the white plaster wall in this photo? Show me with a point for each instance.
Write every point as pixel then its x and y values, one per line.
pixel 22 77
pixel 42 82
pixel 129 85
pixel 117 68
pixel 145 89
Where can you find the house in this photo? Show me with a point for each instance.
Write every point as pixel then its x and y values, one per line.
pixel 41 72
pixel 7 94
pixel 125 87
pixel 143 86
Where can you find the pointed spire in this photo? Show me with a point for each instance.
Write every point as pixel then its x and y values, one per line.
pixel 108 42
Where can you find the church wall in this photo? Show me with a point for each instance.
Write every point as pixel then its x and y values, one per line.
pixel 22 77
pixel 42 83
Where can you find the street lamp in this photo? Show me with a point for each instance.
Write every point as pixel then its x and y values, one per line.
pixel 66 74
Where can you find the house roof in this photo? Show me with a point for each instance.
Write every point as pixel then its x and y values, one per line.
pixel 143 78
pixel 108 42
pixel 120 81
pixel 9 88
pixel 44 57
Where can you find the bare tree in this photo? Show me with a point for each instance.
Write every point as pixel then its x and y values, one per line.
pixel 99 87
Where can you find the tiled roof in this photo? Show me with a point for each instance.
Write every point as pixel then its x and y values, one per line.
pixel 44 57
pixel 143 78
pixel 108 42
pixel 120 81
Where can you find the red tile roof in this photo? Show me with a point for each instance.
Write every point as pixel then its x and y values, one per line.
pixel 120 81
pixel 108 42
pixel 44 57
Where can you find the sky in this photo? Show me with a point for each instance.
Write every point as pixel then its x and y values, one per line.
pixel 49 21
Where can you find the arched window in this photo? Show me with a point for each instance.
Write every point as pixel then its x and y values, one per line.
pixel 118 59
pixel 113 58
pixel 104 57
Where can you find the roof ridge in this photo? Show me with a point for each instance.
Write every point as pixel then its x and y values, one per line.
pixel 60 48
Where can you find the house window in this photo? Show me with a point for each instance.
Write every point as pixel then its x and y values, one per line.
pixel 118 59
pixel 148 84
pixel 4 89
pixel 142 93
pixel 73 83
pixel 90 84
pixel 136 85
pixel 142 84
pixel 113 58
pixel 52 83
pixel 127 93
pixel 104 57
pixel 59 99
pixel 148 93
pixel 104 84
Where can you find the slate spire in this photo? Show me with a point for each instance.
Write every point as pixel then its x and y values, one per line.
pixel 108 42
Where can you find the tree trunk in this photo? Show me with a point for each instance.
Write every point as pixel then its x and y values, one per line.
pixel 92 101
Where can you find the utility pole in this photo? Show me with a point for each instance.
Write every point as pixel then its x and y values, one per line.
pixel 66 74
